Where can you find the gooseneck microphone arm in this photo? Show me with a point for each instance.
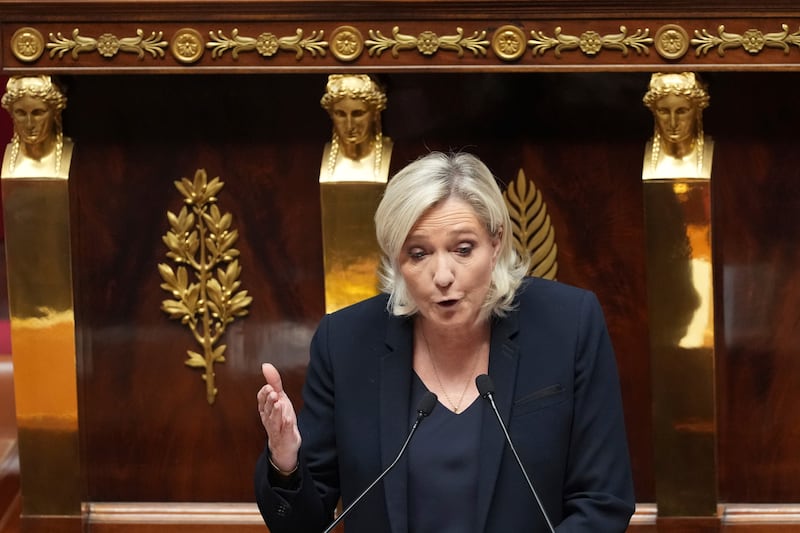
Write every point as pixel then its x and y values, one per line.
pixel 486 390
pixel 424 408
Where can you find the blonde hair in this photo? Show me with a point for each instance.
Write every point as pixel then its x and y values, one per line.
pixel 424 183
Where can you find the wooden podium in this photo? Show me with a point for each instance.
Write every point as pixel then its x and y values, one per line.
pixel 160 89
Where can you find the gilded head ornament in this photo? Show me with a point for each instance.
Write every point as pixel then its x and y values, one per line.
pixel 685 84
pixel 41 86
pixel 357 86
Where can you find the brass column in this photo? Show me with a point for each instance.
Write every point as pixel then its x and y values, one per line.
pixel 38 259
pixel 681 318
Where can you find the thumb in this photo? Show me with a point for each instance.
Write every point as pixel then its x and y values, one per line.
pixel 272 376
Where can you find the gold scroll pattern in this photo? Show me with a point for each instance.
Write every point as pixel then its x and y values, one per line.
pixel 201 239
pixel 533 234
pixel 346 44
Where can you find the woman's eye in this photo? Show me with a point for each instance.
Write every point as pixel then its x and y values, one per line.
pixel 464 250
pixel 416 254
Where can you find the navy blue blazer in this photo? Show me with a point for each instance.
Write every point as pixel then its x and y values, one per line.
pixel 557 389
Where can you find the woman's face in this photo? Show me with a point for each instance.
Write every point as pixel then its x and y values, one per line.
pixel 675 118
pixel 33 120
pixel 353 120
pixel 447 262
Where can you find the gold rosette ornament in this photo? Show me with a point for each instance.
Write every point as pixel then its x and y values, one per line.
pixel 201 240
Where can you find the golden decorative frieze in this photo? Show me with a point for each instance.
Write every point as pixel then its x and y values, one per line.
pixel 201 239
pixel 347 43
pixel 266 44
pixel 426 43
pixel 27 44
pixel 107 45
pixel 752 40
pixel 591 42
pixel 533 234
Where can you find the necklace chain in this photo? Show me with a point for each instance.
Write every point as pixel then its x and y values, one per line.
pixel 456 405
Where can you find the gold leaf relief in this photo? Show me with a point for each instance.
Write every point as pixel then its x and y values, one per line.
pixel 532 232
pixel 210 302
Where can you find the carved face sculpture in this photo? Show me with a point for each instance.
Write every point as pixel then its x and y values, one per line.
pixel 33 120
pixel 676 118
pixel 353 120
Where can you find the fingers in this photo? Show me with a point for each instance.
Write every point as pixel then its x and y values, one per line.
pixel 272 376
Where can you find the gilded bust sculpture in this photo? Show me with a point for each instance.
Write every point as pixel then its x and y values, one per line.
pixel 38 148
pixel 679 148
pixel 358 151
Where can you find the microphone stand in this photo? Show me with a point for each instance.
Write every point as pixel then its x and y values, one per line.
pixel 486 388
pixel 426 405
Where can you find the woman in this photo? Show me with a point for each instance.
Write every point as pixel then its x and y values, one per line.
pixel 38 147
pixel 358 150
pixel 455 306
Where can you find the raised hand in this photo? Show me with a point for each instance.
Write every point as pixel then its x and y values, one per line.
pixel 279 420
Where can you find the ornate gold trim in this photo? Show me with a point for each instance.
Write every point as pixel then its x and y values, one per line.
pixel 202 239
pixel 590 42
pixel 508 43
pixel 427 43
pixel 534 236
pixel 752 40
pixel 27 44
pixel 671 41
pixel 266 44
pixel 347 43
pixel 107 45
pixel 187 45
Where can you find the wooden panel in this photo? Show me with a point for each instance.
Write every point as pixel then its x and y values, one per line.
pixel 757 198
pixel 146 426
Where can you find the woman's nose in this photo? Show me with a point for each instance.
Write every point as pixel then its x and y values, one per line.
pixel 443 275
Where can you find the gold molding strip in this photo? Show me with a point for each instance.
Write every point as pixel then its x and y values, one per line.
pixel 202 240
pixel 114 516
pixel 508 42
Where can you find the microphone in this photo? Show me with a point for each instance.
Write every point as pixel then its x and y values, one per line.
pixel 486 389
pixel 424 408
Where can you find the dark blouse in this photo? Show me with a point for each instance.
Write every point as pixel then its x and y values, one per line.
pixel 443 468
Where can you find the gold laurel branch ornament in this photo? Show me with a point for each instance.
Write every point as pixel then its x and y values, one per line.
pixel 200 239
pixel 590 42
pixel 427 43
pixel 752 40
pixel 266 44
pixel 533 234
pixel 107 45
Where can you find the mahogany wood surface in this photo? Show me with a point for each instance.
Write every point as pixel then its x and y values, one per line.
pixel 574 123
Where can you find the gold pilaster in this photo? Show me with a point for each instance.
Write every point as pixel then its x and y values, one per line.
pixel 681 319
pixel 37 242
pixel 350 248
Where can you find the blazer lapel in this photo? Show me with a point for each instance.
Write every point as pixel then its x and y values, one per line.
pixel 395 391
pixel 503 360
